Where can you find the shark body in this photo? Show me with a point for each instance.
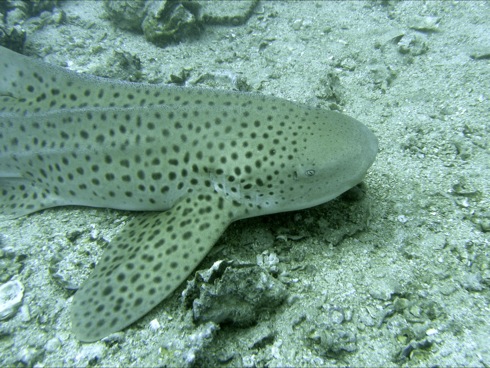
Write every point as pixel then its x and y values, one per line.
pixel 192 160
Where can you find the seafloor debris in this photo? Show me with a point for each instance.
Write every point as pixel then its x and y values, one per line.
pixel 233 294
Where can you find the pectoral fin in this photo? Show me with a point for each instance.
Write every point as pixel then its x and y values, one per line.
pixel 145 262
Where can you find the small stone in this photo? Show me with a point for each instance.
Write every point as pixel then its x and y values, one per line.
pixel 226 12
pixel 485 225
pixel 154 324
pixel 402 219
pixel 366 319
pixel 400 304
pixel 11 294
pixel 384 289
pixel 472 282
pixel 297 24
pixel 29 356
pixel 337 316
pixel 52 345
pixel 431 331
pixel 426 24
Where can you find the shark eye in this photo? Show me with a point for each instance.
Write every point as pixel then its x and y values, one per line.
pixel 310 172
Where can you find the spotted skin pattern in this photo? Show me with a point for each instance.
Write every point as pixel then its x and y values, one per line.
pixel 193 160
